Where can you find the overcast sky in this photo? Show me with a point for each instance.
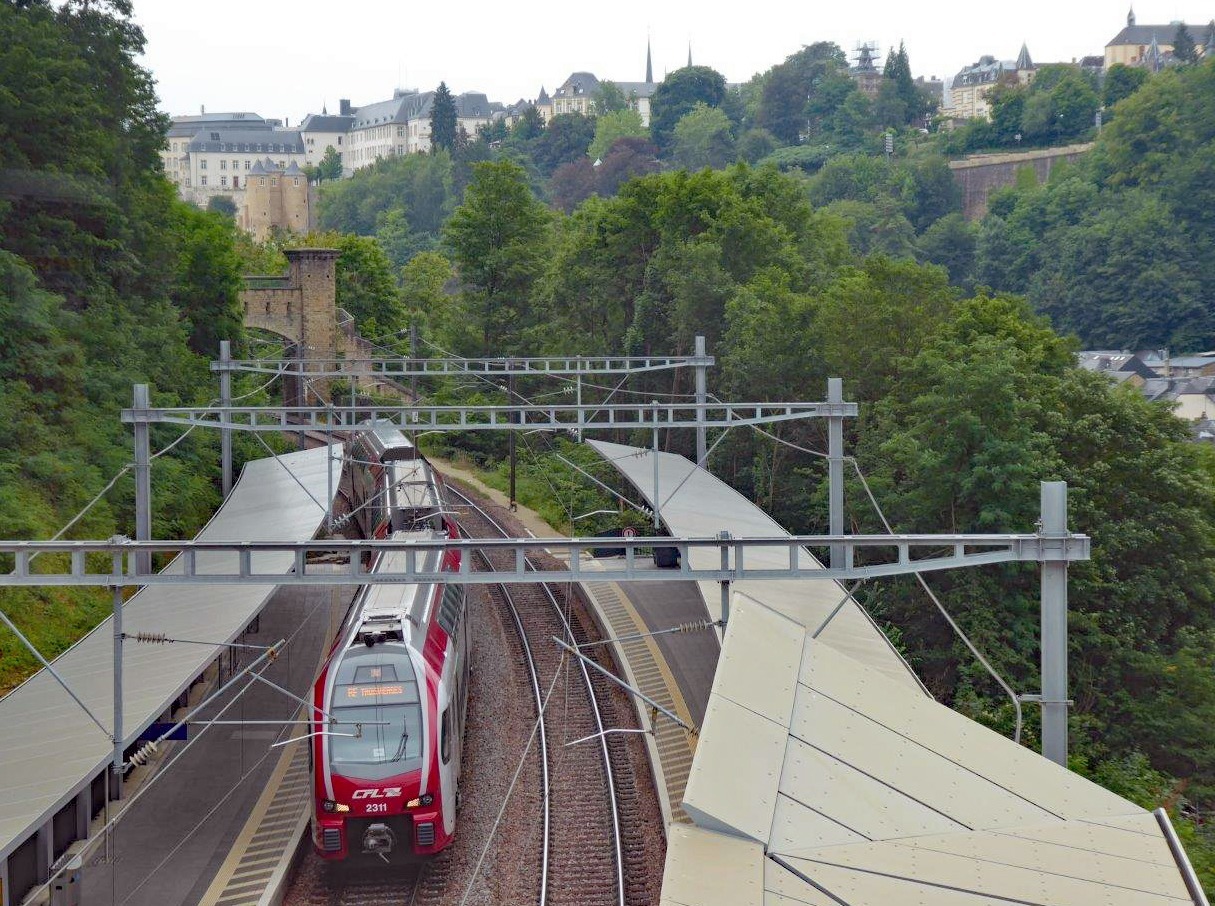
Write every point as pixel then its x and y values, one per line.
pixel 287 59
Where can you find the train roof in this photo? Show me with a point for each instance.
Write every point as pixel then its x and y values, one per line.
pixel 388 441
pixel 398 610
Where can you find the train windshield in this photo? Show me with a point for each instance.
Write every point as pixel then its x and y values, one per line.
pixel 377 689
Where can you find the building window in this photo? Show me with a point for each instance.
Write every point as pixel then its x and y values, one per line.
pixel 261 180
pixel 202 180
pixel 295 180
pixel 223 181
pixel 223 165
pixel 246 165
pixel 339 139
pixel 202 164
pixel 236 182
pixel 236 165
pixel 273 180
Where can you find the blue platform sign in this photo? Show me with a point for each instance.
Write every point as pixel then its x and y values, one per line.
pixel 155 731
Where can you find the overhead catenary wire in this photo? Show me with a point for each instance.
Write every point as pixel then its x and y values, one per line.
pixel 953 624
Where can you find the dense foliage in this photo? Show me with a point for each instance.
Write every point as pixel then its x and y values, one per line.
pixel 105 280
pixel 1118 249
pixel 825 258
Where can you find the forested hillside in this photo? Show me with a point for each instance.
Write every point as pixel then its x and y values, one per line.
pixel 766 217
pixel 970 396
pixel 105 280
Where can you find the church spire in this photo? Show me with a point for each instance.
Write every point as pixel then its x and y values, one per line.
pixel 689 54
pixel 649 63
pixel 1154 59
pixel 1130 17
pixel 1024 60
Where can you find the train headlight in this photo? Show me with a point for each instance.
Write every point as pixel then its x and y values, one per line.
pixel 427 799
pixel 330 806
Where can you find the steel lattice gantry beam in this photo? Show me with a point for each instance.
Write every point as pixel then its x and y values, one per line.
pixel 398 367
pixel 588 417
pixel 122 562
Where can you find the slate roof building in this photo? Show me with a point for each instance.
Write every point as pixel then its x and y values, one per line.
pixel 966 95
pixel 182 129
pixel 322 131
pixel 1152 45
pixel 401 125
pixel 218 159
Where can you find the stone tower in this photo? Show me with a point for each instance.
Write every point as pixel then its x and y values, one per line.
pixel 276 199
pixel 314 272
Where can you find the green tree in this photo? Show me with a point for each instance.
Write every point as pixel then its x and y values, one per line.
pixel 609 127
pixel 1122 81
pixel 898 73
pixel 566 138
pixel 951 243
pixel 756 144
pixel 1184 50
pixel 420 185
pixel 330 166
pixel 804 87
pixel 703 139
pixel 221 204
pixel 443 120
pixel 609 99
pixel 499 240
pixel 528 126
pixel 207 284
pixel 677 94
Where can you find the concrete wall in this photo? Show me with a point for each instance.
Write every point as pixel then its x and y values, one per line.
pixel 981 174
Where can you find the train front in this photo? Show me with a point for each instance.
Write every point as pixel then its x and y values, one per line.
pixel 373 791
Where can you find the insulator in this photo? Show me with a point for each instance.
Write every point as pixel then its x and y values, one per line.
pixel 143 754
pixel 694 627
pixel 152 638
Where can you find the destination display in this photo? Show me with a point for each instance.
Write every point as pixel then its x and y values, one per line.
pixel 378 690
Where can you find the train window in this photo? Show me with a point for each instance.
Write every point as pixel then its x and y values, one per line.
pixel 451 607
pixel 376 673
pixel 445 740
pixel 377 689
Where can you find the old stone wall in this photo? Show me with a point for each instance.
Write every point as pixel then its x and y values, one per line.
pixel 982 174
pixel 300 306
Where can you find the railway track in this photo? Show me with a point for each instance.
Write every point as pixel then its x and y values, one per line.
pixel 344 885
pixel 586 846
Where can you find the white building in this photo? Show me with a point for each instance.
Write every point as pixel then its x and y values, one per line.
pixel 182 129
pixel 578 92
pixel 217 161
pixel 402 125
pixel 321 132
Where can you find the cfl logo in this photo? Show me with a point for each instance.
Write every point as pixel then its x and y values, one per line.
pixel 390 792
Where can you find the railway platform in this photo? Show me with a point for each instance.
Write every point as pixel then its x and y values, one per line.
pixel 57 787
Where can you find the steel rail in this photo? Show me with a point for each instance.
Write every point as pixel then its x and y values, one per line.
pixel 595 710
pixel 542 730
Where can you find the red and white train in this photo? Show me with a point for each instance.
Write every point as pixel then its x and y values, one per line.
pixel 390 701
